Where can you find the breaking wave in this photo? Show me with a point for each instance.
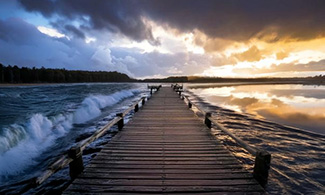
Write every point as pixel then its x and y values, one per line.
pixel 20 144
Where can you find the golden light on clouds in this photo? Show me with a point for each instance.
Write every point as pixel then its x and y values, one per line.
pixel 264 54
pixel 243 59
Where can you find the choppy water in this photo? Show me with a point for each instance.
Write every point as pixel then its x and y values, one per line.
pixel 298 153
pixel 39 123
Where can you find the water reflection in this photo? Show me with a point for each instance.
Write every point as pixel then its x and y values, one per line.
pixel 295 105
pixel 297 165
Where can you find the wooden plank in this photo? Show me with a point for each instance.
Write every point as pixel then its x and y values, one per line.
pixel 164 158
pixel 163 166
pixel 166 152
pixel 165 148
pixel 166 171
pixel 166 189
pixel 162 154
pixel 159 176
pixel 169 182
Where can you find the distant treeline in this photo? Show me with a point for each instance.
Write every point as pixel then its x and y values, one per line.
pixel 14 74
pixel 320 79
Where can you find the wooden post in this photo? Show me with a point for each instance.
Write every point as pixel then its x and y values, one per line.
pixel 179 93
pixel 151 91
pixel 207 121
pixel 136 108
pixel 182 97
pixel 189 104
pixel 143 101
pixel 77 165
pixel 120 123
pixel 261 167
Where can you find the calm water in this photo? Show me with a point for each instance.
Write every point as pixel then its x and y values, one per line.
pixel 39 123
pixel 282 119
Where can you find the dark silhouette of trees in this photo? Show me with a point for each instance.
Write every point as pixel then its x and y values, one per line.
pixel 320 79
pixel 14 74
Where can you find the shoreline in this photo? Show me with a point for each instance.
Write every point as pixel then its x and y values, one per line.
pixel 198 83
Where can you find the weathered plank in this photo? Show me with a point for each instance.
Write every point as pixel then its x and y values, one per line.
pixel 165 148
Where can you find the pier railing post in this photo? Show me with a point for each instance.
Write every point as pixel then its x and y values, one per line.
pixel 143 101
pixel 189 104
pixel 207 121
pixel 120 123
pixel 136 108
pixel 77 165
pixel 262 166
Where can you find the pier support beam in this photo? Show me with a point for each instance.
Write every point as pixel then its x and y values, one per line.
pixel 207 121
pixel 261 167
pixel 189 104
pixel 77 165
pixel 143 101
pixel 120 123
pixel 136 108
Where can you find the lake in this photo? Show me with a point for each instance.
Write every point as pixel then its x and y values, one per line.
pixel 285 120
pixel 40 123
pixel 300 106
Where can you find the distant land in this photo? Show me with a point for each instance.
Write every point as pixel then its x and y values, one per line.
pixel 317 80
pixel 16 75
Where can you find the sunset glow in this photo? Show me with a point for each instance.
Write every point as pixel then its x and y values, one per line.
pixel 213 39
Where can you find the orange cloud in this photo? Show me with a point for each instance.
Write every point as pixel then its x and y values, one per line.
pixel 251 55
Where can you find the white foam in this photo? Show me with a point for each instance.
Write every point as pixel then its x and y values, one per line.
pixel 92 105
pixel 21 144
pixel 38 135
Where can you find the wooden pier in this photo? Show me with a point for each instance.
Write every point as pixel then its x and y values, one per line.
pixel 165 148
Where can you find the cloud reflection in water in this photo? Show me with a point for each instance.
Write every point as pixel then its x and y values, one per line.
pixel 295 105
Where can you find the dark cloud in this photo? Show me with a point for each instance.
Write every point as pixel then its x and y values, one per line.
pixel 24 45
pixel 269 20
pixel 116 16
pixel 75 31
pixel 15 31
pixel 241 20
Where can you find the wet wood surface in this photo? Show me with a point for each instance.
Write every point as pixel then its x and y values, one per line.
pixel 164 149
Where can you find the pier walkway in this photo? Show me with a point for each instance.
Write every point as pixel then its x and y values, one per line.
pixel 167 149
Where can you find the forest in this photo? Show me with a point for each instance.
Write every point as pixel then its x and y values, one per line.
pixel 318 80
pixel 15 74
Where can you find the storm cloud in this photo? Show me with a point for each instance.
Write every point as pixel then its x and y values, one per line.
pixel 269 20
pixel 115 16
pixel 148 38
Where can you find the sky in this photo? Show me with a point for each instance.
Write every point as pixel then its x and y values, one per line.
pixel 159 38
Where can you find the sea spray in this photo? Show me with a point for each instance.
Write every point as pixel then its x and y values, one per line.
pixel 34 137
pixel 21 144
pixel 91 107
